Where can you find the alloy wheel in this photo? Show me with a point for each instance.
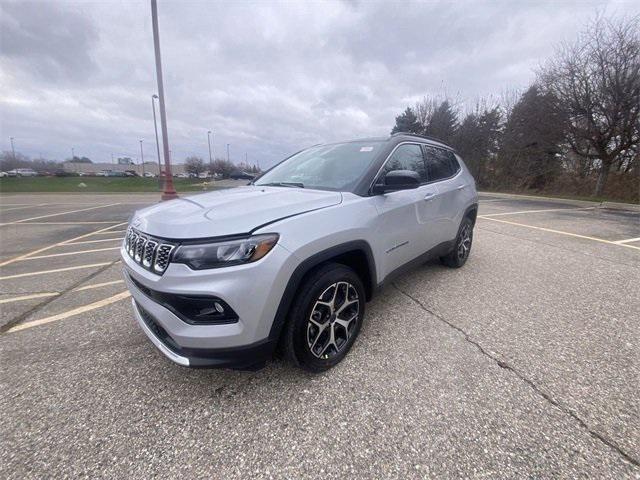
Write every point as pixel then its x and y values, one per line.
pixel 464 242
pixel 333 320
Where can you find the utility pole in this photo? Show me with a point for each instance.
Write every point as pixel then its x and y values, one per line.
pixel 142 158
pixel 112 161
pixel 169 191
pixel 228 158
pixel 210 157
pixel 155 127
pixel 13 149
pixel 73 153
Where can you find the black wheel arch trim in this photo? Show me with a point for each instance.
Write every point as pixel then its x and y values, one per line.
pixel 312 262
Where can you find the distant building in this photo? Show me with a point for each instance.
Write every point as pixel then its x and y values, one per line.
pixel 125 161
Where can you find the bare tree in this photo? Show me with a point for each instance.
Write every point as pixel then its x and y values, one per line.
pixel 194 165
pixel 597 83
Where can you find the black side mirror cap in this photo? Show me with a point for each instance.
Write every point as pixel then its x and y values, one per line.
pixel 397 180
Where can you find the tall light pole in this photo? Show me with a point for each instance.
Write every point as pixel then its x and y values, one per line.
pixel 169 191
pixel 210 157
pixel 155 127
pixel 13 149
pixel 228 159
pixel 142 158
pixel 73 153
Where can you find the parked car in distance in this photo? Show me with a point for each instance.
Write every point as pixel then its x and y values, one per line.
pixel 150 175
pixel 3 174
pixel 22 172
pixel 240 175
pixel 65 173
pixel 222 278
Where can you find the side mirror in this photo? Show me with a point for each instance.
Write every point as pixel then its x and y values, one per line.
pixel 397 180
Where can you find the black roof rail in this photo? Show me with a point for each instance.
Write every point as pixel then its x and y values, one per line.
pixel 426 137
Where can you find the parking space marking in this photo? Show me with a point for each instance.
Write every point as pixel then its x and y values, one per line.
pixel 97 285
pixel 537 211
pixel 29 297
pixel 71 313
pixel 61 213
pixel 109 232
pixel 65 254
pixel 560 232
pixel 44 272
pixel 628 240
pixel 22 207
pixel 95 241
pixel 49 247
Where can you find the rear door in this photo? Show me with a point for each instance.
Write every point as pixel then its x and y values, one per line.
pixel 444 172
pixel 405 214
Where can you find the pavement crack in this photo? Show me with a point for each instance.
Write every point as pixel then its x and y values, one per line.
pixel 16 320
pixel 547 397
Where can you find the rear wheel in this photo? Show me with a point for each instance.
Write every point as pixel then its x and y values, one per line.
pixel 325 318
pixel 462 248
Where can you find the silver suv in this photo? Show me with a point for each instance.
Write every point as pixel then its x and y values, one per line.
pixel 223 279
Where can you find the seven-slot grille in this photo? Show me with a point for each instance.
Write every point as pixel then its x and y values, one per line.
pixel 149 252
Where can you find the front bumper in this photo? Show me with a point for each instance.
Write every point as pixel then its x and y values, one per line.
pixel 253 291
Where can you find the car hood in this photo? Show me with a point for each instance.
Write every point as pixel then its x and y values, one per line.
pixel 229 212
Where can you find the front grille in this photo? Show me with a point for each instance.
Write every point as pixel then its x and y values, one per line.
pixel 150 253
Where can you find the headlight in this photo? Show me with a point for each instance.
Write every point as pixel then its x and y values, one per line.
pixel 225 254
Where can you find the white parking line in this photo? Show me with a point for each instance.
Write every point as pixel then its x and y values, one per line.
pixel 71 313
pixel 560 232
pixel 57 223
pixel 628 240
pixel 79 252
pixel 97 285
pixel 536 211
pixel 64 242
pixel 66 269
pixel 95 241
pixel 109 232
pixel 61 213
pixel 22 207
pixel 29 297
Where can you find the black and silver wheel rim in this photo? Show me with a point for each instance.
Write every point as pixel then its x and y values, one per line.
pixel 464 242
pixel 333 320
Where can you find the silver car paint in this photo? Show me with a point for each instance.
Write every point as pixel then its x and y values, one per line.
pixel 398 226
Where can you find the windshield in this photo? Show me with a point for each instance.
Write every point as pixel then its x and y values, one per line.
pixel 326 167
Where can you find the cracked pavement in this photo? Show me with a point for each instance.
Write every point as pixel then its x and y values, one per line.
pixel 524 363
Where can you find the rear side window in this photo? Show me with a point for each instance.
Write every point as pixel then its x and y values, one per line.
pixel 407 157
pixel 440 163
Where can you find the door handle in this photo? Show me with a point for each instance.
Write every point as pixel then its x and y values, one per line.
pixel 429 196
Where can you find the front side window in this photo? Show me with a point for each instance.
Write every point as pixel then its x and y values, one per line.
pixel 406 157
pixel 327 167
pixel 440 163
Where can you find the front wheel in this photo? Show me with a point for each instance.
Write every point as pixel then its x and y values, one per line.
pixel 457 257
pixel 325 318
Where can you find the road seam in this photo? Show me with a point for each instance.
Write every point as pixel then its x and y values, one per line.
pixel 502 364
pixel 15 321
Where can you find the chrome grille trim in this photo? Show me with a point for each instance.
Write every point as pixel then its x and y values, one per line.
pixel 150 253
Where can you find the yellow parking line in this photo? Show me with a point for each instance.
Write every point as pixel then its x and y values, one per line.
pixel 95 241
pixel 71 313
pixel 64 242
pixel 65 254
pixel 536 211
pixel 560 232
pixel 97 285
pixel 61 213
pixel 628 240
pixel 66 269
pixel 29 297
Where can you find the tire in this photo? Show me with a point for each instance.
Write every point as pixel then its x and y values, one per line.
pixel 321 327
pixel 457 257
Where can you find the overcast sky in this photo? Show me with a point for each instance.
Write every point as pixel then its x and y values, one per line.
pixel 268 78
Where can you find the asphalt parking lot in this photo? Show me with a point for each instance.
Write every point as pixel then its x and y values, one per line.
pixel 524 363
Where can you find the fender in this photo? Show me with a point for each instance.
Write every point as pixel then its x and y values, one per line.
pixel 309 264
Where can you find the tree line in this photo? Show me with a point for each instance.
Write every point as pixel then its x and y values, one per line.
pixel 574 131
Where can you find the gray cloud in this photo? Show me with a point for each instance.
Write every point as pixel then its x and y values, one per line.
pixel 268 78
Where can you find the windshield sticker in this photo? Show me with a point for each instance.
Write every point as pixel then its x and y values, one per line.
pixel 366 149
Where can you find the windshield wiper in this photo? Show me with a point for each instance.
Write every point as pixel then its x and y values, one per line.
pixel 282 184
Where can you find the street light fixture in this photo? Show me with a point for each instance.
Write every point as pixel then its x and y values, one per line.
pixel 155 127
pixel 169 191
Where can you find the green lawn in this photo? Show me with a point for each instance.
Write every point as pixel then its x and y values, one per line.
pixel 98 184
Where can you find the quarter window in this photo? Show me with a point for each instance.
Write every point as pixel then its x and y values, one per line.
pixel 407 157
pixel 440 163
